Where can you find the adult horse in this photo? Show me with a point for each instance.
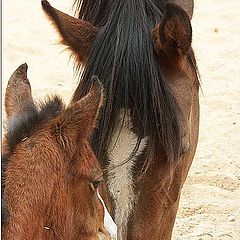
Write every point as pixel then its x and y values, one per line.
pixel 50 174
pixel 148 128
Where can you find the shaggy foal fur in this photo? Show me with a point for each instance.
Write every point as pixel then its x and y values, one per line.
pixel 50 173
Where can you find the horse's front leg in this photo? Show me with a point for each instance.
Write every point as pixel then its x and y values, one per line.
pixel 153 223
pixel 155 212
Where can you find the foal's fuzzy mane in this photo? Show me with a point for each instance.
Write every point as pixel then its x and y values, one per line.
pixel 124 59
pixel 23 126
pixel 26 123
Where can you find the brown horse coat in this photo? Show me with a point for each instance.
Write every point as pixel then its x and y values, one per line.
pixel 50 173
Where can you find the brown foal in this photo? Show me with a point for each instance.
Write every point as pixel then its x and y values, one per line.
pixel 50 174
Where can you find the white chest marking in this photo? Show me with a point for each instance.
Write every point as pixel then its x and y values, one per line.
pixel 120 181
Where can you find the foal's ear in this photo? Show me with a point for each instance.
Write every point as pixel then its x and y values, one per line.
pixel 186 5
pixel 173 35
pixel 93 101
pixel 79 119
pixel 77 34
pixel 18 96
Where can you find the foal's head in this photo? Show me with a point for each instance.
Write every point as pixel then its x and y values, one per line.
pixel 50 173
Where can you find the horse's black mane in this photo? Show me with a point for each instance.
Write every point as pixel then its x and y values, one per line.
pixel 24 126
pixel 98 12
pixel 123 58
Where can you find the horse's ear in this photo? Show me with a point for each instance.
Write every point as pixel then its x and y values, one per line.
pixel 77 34
pixel 186 5
pixel 79 119
pixel 173 35
pixel 18 96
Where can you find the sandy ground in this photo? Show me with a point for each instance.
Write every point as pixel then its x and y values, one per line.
pixel 210 203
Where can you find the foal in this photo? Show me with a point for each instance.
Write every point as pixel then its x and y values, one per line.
pixel 50 174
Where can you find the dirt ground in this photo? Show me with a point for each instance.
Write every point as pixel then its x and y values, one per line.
pixel 210 202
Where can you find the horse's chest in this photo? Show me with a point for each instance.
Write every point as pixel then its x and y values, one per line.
pixel 120 169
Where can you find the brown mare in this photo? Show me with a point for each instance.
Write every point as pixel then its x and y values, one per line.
pixel 50 173
pixel 148 128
